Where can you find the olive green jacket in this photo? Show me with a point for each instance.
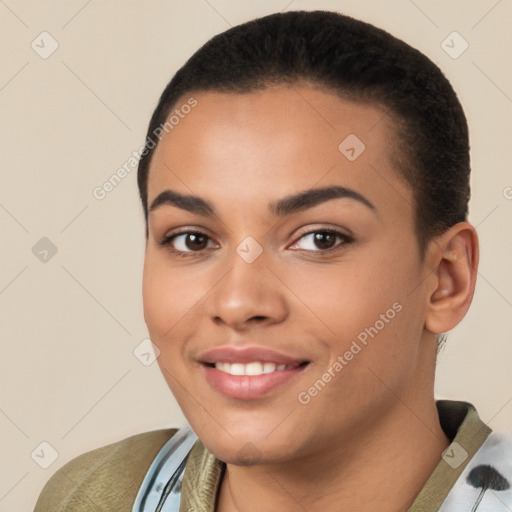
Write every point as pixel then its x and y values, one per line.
pixel 108 478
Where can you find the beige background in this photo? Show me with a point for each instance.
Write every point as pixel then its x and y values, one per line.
pixel 69 326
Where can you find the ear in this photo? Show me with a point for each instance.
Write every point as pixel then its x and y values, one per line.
pixel 453 258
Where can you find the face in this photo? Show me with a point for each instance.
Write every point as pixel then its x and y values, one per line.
pixel 282 279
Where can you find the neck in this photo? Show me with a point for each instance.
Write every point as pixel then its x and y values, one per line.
pixel 382 468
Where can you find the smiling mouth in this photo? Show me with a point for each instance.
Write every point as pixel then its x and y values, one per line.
pixel 254 368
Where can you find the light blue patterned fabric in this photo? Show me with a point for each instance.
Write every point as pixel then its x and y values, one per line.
pixel 161 488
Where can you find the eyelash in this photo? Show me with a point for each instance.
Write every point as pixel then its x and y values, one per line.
pixel 346 240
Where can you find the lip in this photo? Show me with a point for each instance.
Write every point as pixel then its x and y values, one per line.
pixel 248 387
pixel 231 354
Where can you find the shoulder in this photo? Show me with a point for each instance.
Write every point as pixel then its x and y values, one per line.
pixel 107 478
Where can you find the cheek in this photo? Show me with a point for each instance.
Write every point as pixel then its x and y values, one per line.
pixel 367 301
pixel 350 295
pixel 166 299
pixel 168 294
pixel 166 305
pixel 155 296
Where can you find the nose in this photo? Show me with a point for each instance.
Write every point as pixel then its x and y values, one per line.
pixel 248 295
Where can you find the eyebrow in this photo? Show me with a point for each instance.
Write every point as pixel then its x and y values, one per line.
pixel 285 206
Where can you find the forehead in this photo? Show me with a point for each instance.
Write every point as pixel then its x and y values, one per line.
pixel 275 141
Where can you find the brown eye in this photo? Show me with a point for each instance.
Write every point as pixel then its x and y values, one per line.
pixel 187 242
pixel 195 241
pixel 322 240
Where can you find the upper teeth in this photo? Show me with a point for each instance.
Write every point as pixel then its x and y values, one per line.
pixel 255 368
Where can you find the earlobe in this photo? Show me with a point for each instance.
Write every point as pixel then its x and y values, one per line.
pixel 455 269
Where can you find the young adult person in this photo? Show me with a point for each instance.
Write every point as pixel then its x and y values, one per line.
pixel 305 186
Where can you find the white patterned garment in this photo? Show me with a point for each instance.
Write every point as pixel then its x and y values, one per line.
pixel 485 485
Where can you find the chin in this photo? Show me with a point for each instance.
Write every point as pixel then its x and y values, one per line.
pixel 246 450
pixel 248 455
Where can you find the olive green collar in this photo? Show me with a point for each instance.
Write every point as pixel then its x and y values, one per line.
pixel 462 425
